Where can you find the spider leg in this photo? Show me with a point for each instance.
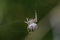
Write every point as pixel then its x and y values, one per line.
pixel 27 19
pixel 36 15
pixel 26 22
pixel 35 19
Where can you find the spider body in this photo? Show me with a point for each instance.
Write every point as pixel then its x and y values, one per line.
pixel 32 27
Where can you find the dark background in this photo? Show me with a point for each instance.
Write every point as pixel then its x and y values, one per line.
pixel 14 12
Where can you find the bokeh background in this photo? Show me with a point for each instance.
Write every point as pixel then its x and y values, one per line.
pixel 13 13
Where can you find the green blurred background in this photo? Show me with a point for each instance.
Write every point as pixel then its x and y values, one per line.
pixel 14 12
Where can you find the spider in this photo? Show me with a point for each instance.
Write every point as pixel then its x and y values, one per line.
pixel 32 23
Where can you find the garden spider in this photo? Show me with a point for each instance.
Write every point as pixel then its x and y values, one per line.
pixel 32 25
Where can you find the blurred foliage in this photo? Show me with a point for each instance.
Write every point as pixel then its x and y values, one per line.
pixel 14 12
pixel 48 36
